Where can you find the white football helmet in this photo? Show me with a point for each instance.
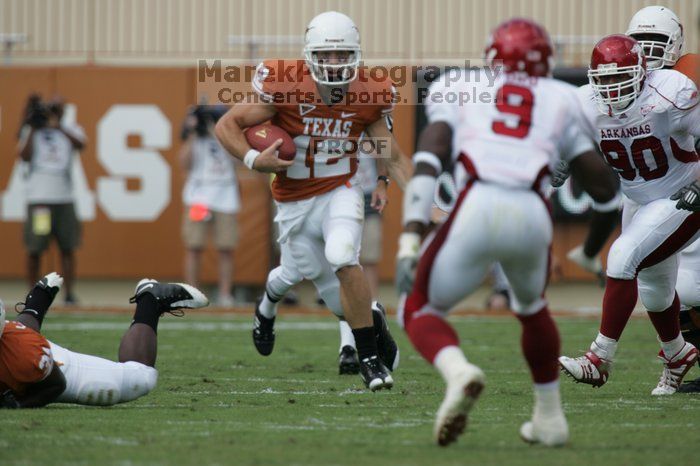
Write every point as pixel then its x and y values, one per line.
pixel 662 22
pixel 332 31
pixel 2 317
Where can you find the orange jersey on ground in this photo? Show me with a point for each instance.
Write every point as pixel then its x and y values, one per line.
pixel 25 357
pixel 325 136
pixel 689 65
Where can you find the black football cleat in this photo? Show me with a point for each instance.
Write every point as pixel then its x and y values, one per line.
pixel 387 349
pixel 263 332
pixel 692 386
pixel 40 298
pixel 375 375
pixel 170 296
pixel 348 362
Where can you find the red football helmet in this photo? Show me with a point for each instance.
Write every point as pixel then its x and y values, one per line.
pixel 521 45
pixel 618 56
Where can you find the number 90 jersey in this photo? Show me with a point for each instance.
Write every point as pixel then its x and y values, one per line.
pixel 509 129
pixel 326 137
pixel 651 145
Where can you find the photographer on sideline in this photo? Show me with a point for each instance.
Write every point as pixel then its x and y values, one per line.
pixel 47 146
pixel 210 197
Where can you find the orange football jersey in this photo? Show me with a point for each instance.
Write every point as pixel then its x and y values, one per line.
pixel 689 65
pixel 325 135
pixel 25 357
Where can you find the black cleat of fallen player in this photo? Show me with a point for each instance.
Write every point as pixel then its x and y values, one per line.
pixel 41 296
pixel 692 386
pixel 348 362
pixel 263 332
pixel 170 296
pixel 375 375
pixel 387 349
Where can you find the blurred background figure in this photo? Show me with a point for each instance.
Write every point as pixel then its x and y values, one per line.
pixel 210 198
pixel 47 146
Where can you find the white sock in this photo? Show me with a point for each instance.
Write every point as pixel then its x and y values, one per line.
pixel 268 308
pixel 547 399
pixel 673 347
pixel 450 361
pixel 604 347
pixel 346 336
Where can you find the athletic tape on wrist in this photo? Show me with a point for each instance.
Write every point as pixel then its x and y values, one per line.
pixel 250 157
pixel 418 199
pixel 429 158
pixel 614 204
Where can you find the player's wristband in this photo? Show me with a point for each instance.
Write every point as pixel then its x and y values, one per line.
pixel 383 178
pixel 409 245
pixel 418 199
pixel 250 157
pixel 428 158
pixel 614 204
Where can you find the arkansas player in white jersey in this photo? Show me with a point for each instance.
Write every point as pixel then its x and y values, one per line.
pixel 320 101
pixel 507 144
pixel 645 125
pixel 660 33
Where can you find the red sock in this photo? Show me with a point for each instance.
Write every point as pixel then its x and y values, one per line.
pixel 540 343
pixel 618 303
pixel 667 323
pixel 429 334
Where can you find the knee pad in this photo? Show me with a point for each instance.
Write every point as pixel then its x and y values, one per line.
pixel 620 264
pixel 342 244
pixel 138 380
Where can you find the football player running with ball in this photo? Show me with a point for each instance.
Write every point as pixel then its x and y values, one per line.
pixel 322 102
pixel 506 145
pixel 35 372
pixel 645 123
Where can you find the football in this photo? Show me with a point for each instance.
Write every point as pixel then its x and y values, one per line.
pixel 260 137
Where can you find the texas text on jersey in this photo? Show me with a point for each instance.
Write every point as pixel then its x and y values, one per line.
pixel 319 130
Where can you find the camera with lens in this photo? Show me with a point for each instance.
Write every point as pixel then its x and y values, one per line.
pixel 37 113
pixel 205 116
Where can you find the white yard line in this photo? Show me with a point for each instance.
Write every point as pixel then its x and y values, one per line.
pixel 185 325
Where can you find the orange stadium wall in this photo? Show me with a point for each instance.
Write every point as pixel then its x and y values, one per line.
pixel 132 204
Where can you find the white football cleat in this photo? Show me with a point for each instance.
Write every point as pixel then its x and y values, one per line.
pixel 462 392
pixel 675 369
pixel 588 369
pixel 591 264
pixel 551 431
pixel 53 280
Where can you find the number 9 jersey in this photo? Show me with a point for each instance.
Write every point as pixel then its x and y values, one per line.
pixel 651 144
pixel 510 129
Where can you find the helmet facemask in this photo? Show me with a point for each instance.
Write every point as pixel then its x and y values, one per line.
pixel 613 98
pixel 332 74
pixel 660 50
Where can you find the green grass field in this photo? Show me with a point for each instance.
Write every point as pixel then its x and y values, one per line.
pixel 218 402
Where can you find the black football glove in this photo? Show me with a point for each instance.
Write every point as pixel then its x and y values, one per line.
pixel 688 197
pixel 8 401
